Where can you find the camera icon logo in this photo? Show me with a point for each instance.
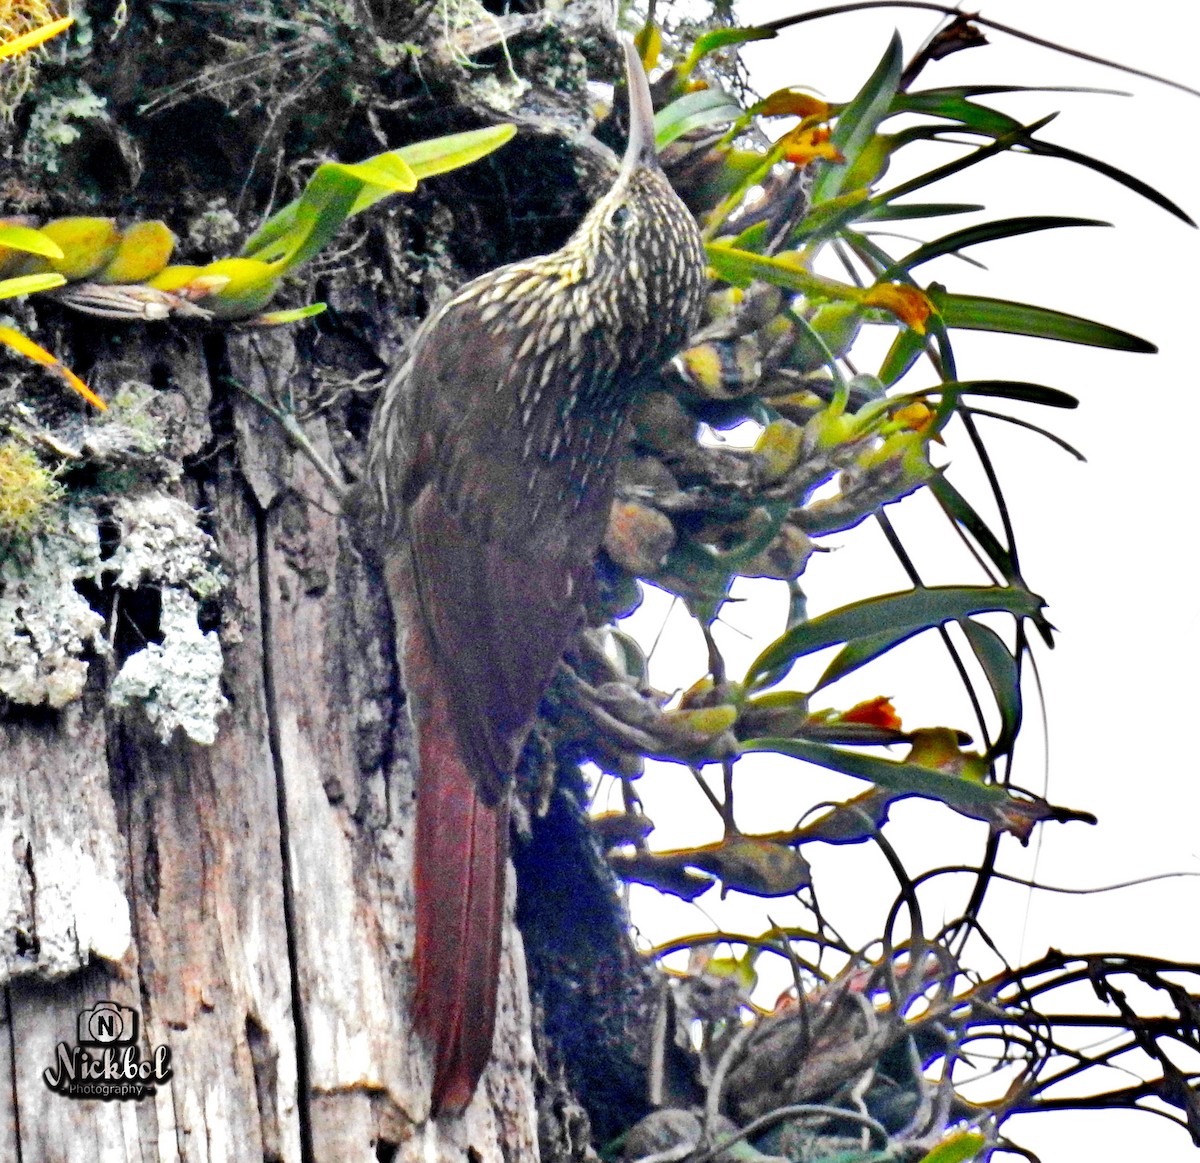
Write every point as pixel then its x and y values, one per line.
pixel 107 1023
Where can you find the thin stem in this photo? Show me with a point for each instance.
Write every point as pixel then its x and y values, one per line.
pixel 949 10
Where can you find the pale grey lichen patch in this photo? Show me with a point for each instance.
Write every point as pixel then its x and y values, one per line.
pixel 129 432
pixel 44 623
pixel 55 125
pixel 160 541
pixel 177 682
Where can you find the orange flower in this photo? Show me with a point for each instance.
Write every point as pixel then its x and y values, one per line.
pixel 790 103
pixel 805 144
pixel 909 304
pixel 877 712
pixel 916 416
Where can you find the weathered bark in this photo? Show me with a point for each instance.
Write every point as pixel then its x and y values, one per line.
pixel 251 898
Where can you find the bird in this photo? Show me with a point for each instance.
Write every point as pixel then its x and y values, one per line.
pixel 491 466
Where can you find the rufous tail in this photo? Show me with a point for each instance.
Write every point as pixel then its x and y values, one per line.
pixel 461 855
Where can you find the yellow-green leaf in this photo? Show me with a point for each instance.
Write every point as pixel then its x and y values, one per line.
pixel 377 177
pixel 278 318
pixel 28 40
pixel 25 238
pixel 957 1148
pixel 30 284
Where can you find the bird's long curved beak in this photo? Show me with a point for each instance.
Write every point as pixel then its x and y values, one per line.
pixel 641 150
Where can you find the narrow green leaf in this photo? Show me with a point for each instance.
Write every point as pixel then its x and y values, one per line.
pixel 753 238
pixel 293 315
pixel 910 610
pixel 992 90
pixel 30 284
pixel 993 123
pixel 959 509
pixel 439 155
pixel 1004 677
pixel 741 267
pixel 1049 149
pixel 719 38
pixel 32 241
pixel 979 313
pixel 1053 437
pixel 964 795
pixel 860 652
pixel 384 174
pixel 900 212
pixel 906 349
pixel 830 217
pixel 955 107
pixel 1020 136
pixel 984 232
pixel 324 207
pixel 1013 390
pixel 696 110
pixel 858 122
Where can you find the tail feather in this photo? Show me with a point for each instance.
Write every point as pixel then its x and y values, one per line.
pixel 461 855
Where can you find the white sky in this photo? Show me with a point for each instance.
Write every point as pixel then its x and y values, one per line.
pixel 1109 544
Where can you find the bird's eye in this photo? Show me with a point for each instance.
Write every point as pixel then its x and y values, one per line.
pixel 619 217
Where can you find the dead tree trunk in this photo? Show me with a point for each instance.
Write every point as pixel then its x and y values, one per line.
pixel 246 894
pixel 249 898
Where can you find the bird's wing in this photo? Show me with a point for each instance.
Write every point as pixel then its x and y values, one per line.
pixel 499 623
pixel 499 608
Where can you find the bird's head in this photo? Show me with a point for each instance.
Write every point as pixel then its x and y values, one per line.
pixel 639 245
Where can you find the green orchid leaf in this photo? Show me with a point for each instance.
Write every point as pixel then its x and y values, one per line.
pixel 699 110
pixel 1021 136
pixel 292 315
pixel 717 39
pixel 742 267
pixel 992 90
pixel 984 232
pixel 861 651
pixel 959 509
pixel 1003 676
pixel 979 313
pixel 29 240
pixel 826 219
pixel 955 107
pixel 992 123
pixel 906 349
pixel 300 230
pixel 396 171
pixel 1013 390
pixel 1049 149
pixel 900 212
pixel 440 155
pixel 859 121
pixel 979 800
pixel 912 610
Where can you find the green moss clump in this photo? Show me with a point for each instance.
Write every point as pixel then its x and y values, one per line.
pixel 28 492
